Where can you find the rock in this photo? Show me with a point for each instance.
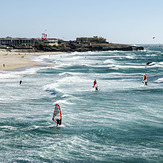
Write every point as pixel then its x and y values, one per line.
pixel 66 46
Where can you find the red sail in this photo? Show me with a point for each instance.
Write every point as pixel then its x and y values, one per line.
pixel 57 113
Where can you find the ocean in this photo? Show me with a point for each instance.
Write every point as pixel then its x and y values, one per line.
pixel 121 122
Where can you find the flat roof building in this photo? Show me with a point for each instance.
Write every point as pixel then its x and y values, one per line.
pixel 26 42
pixel 95 39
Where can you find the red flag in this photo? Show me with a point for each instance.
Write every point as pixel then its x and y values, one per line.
pixel 44 36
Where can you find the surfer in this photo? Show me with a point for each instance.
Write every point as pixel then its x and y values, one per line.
pixel 145 79
pixel 20 82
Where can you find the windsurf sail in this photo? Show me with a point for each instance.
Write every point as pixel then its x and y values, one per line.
pixel 57 116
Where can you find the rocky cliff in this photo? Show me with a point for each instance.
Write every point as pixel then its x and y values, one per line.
pixel 66 46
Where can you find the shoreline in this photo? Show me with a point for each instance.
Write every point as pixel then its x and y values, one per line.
pixel 15 60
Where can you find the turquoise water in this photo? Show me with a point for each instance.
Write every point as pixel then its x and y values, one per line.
pixel 122 122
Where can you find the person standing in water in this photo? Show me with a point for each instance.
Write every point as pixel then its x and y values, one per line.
pixel 145 79
pixel 20 82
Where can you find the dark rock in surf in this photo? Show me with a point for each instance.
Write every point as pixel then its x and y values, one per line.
pixel 148 63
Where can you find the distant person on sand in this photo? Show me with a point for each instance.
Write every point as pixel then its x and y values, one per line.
pixel 145 79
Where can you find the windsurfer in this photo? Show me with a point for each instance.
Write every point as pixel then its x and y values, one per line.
pixel 145 79
pixel 57 116
pixel 95 85
pixel 59 122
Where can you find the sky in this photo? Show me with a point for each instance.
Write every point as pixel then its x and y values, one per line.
pixel 119 21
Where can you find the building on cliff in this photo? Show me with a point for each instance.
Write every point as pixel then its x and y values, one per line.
pixel 95 39
pixel 9 41
pixel 51 42
pixel 26 42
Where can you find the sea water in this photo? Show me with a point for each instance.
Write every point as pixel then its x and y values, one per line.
pixel 122 122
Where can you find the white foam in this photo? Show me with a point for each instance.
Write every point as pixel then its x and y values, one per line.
pixel 17 74
pixel 81 53
pixel 125 66
pixel 160 80
pixel 144 86
pixel 62 102
pixel 6 75
pixel 65 95
pixel 40 58
pixel 109 61
pixel 155 64
pixel 50 87
pixel 65 74
pixel 8 127
pixel 61 125
pixel 30 71
pixel 130 57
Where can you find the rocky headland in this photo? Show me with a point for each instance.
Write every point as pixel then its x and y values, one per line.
pixel 72 46
pixel 81 44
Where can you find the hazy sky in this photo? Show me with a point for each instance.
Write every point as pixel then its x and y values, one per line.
pixel 119 21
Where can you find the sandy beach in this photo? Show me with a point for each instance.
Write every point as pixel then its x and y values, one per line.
pixel 15 58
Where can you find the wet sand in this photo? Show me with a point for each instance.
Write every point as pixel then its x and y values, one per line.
pixel 16 59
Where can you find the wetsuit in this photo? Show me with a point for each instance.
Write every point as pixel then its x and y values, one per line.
pixel 58 122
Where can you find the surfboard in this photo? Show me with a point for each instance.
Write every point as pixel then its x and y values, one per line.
pixel 95 88
pixel 143 85
pixel 57 116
